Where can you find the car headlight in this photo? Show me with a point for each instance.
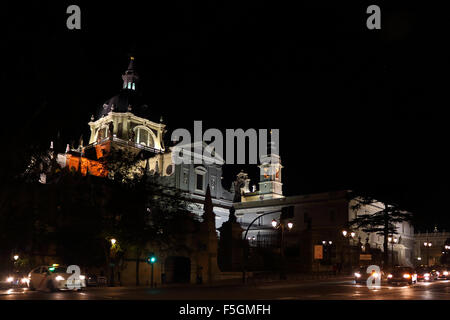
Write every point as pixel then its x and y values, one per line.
pixel 426 275
pixel 389 276
pixel 406 276
pixel 9 279
pixel 82 277
pixel 445 273
pixel 357 274
pixel 24 280
pixel 59 278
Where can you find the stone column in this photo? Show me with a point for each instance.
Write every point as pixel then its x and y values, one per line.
pixel 230 252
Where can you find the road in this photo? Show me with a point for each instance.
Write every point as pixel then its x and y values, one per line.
pixel 325 290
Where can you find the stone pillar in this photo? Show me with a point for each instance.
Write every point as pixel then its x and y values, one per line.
pixel 230 254
pixel 211 270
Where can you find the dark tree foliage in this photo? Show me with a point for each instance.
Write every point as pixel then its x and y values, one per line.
pixel 382 222
pixel 144 208
pixel 74 217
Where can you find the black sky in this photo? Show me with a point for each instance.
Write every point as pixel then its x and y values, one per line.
pixel 356 108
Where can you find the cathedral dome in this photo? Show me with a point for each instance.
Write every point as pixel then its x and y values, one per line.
pixel 128 100
pixel 125 101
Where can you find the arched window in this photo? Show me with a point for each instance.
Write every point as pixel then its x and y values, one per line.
pixel 143 136
pixel 129 85
pixel 134 87
pixel 102 133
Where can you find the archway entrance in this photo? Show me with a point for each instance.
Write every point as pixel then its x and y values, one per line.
pixel 178 269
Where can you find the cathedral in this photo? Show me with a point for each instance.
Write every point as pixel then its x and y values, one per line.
pixel 123 121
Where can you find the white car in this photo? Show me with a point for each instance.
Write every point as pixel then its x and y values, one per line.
pixel 54 278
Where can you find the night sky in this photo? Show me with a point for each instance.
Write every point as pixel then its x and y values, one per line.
pixel 356 108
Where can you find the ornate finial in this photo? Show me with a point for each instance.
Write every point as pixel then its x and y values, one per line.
pixel 129 107
pixel 112 107
pixel 92 118
pixel 157 168
pixel 67 148
pixel 161 119
pixel 51 145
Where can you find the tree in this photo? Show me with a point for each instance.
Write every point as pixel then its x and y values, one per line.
pixel 79 214
pixel 383 221
pixel 146 209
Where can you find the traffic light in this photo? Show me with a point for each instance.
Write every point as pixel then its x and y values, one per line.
pixel 151 259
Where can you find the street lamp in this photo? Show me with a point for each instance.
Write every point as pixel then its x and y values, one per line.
pixel 392 240
pixel 327 248
pixel 281 225
pixel 274 223
pixel 15 257
pixel 244 264
pixel 427 245
pixel 346 234
pixel 113 244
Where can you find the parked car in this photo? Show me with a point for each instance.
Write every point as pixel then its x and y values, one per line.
pixel 91 280
pixel 402 274
pixel 12 280
pixel 443 273
pixel 53 278
pixel 426 274
pixel 361 275
pixel 95 280
pixel 6 281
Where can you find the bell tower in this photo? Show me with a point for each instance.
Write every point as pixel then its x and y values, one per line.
pixel 270 185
